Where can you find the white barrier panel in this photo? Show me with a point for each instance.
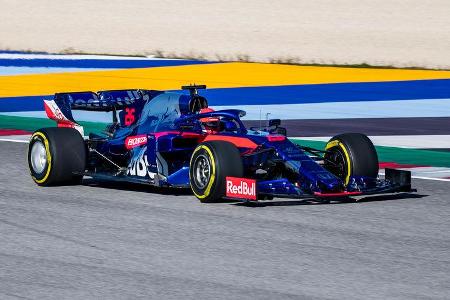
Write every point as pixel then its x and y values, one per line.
pixel 378 32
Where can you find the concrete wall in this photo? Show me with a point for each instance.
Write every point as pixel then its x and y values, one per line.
pixel 401 33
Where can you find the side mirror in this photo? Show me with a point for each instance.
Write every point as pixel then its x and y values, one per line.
pixel 274 122
pixel 281 130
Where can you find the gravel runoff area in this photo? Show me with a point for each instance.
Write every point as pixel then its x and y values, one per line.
pixel 86 242
pixel 401 33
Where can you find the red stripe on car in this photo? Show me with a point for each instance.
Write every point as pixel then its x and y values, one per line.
pixel 239 142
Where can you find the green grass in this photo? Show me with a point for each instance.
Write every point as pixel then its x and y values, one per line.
pixel 31 124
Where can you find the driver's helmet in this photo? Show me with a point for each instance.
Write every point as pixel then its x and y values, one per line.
pixel 212 125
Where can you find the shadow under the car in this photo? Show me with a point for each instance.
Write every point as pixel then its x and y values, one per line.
pixel 136 187
pixel 312 201
pixel 141 188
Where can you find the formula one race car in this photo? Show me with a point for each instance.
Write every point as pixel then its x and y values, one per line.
pixel 175 140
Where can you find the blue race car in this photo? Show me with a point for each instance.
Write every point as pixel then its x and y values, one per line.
pixel 175 140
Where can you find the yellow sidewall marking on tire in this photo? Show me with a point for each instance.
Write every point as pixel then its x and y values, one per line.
pixel 213 172
pixel 49 157
pixel 337 143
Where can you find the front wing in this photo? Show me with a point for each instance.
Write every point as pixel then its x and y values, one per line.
pixel 395 181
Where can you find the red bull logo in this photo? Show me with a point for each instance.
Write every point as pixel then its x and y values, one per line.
pixel 241 188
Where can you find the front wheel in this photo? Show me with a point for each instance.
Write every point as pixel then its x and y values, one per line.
pixel 211 163
pixel 351 154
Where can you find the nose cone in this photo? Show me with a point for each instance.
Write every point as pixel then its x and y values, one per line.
pixel 329 182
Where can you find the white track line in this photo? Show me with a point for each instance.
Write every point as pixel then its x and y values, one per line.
pixel 31 56
pixel 426 178
pixel 437 171
pixel 429 178
pixel 14 141
pixel 417 177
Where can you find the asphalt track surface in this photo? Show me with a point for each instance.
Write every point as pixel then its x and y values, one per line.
pixel 100 242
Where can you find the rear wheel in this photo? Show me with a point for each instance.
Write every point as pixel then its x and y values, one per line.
pixel 351 154
pixel 56 156
pixel 211 163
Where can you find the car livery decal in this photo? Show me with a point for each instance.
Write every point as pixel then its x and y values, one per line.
pixel 242 188
pixel 139 165
pixel 135 141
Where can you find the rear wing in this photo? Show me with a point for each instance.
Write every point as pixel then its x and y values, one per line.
pixel 61 106
pixel 103 100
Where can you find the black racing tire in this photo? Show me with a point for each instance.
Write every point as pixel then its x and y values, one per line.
pixel 57 156
pixel 211 162
pixel 353 154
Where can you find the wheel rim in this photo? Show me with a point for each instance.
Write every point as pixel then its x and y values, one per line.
pixel 335 163
pixel 38 157
pixel 202 171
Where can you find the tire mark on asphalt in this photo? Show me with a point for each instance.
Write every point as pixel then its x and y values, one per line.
pixel 15 296
pixel 139 275
pixel 53 235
